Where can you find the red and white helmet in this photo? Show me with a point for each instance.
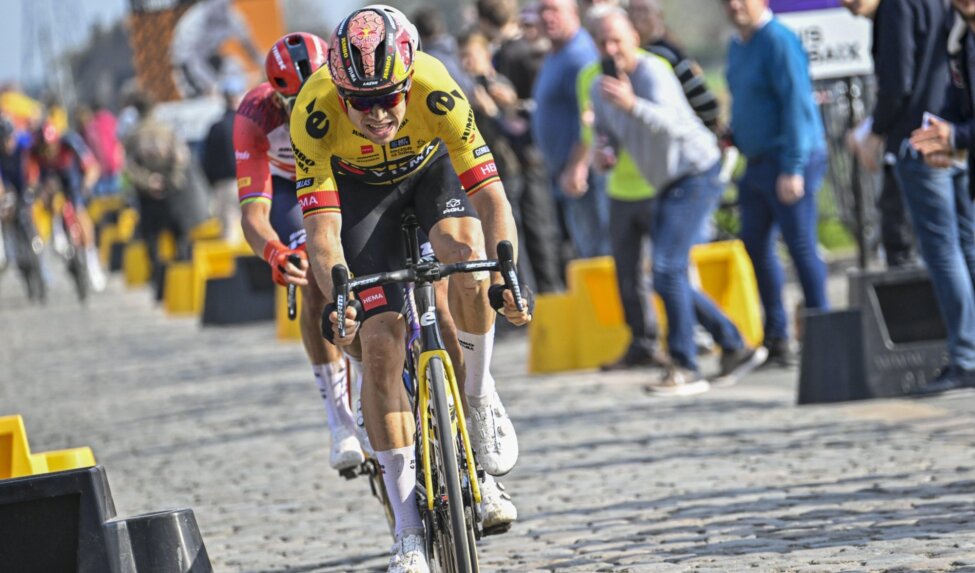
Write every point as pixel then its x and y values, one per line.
pixel 292 60
pixel 372 50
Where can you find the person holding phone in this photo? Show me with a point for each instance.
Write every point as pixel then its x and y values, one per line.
pixel 638 103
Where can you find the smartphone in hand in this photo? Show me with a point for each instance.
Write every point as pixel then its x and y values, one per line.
pixel 608 66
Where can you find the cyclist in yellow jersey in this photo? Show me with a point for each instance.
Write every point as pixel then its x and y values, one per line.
pixel 387 130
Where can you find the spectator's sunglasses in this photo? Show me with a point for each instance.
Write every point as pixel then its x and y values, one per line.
pixel 385 101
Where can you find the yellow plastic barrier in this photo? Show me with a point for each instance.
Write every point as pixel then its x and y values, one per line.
pixel 69 459
pixel 208 230
pixel 98 207
pixel 728 278
pixel 135 264
pixel 180 293
pixel 286 328
pixel 601 333
pixel 107 236
pixel 585 327
pixel 551 335
pixel 128 221
pixel 16 459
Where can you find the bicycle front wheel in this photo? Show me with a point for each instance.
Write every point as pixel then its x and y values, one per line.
pixel 450 535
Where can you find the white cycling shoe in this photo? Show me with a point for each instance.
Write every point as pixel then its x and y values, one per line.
pixel 409 554
pixel 497 510
pixel 346 452
pixel 492 434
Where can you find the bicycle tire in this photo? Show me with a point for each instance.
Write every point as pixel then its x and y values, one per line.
pixel 459 554
pixel 78 267
pixel 29 262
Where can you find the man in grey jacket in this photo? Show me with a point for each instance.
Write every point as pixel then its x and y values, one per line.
pixel 644 111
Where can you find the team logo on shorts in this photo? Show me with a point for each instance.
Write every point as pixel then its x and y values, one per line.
pixel 454 206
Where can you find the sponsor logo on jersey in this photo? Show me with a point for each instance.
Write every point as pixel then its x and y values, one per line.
pixel 366 149
pixel 307 202
pixel 482 150
pixel 489 169
pixel 243 181
pixel 242 155
pixel 303 159
pixel 401 142
pixel 441 103
pixel 374 297
pixel 302 183
pixel 454 206
pixel 317 123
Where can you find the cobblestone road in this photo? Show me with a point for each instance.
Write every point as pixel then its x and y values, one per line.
pixel 227 421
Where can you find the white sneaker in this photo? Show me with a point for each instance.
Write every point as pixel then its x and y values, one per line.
pixel 96 276
pixel 497 510
pixel 346 452
pixel 409 554
pixel 492 435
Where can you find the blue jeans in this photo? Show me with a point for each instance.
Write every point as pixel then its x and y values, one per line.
pixel 680 211
pixel 587 217
pixel 944 221
pixel 762 216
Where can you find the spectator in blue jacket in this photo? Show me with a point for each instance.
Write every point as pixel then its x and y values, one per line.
pixel 776 126
pixel 943 142
pixel 579 191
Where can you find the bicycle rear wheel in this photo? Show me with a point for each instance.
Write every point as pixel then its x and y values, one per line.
pixel 28 247
pixel 450 531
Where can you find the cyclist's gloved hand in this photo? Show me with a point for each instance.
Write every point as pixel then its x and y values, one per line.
pixel 330 321
pixel 505 303
pixel 284 273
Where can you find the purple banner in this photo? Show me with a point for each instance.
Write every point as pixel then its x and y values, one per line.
pixel 783 6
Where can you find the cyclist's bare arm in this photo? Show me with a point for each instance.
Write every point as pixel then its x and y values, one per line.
pixel 498 224
pixel 258 232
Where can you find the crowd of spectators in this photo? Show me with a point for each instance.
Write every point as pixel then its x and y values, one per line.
pixel 610 141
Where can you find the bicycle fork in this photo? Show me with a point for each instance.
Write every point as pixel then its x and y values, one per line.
pixel 458 422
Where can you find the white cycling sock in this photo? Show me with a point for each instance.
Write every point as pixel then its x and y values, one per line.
pixel 399 475
pixel 477 349
pixel 333 386
pixel 355 373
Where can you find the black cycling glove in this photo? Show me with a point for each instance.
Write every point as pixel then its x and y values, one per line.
pixel 496 297
pixel 327 331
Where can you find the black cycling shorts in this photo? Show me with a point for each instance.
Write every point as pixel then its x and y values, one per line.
pixel 372 232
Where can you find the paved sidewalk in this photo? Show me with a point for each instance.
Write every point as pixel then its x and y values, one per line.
pixel 227 421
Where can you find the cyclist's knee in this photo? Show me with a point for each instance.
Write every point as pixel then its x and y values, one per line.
pixel 458 240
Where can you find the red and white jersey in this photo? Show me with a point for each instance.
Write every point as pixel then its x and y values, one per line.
pixel 262 144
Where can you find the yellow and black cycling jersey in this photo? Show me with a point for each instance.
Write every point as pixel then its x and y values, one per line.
pixel 437 114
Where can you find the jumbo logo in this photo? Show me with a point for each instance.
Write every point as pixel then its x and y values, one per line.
pixel 441 103
pixel 304 158
pixel 317 123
